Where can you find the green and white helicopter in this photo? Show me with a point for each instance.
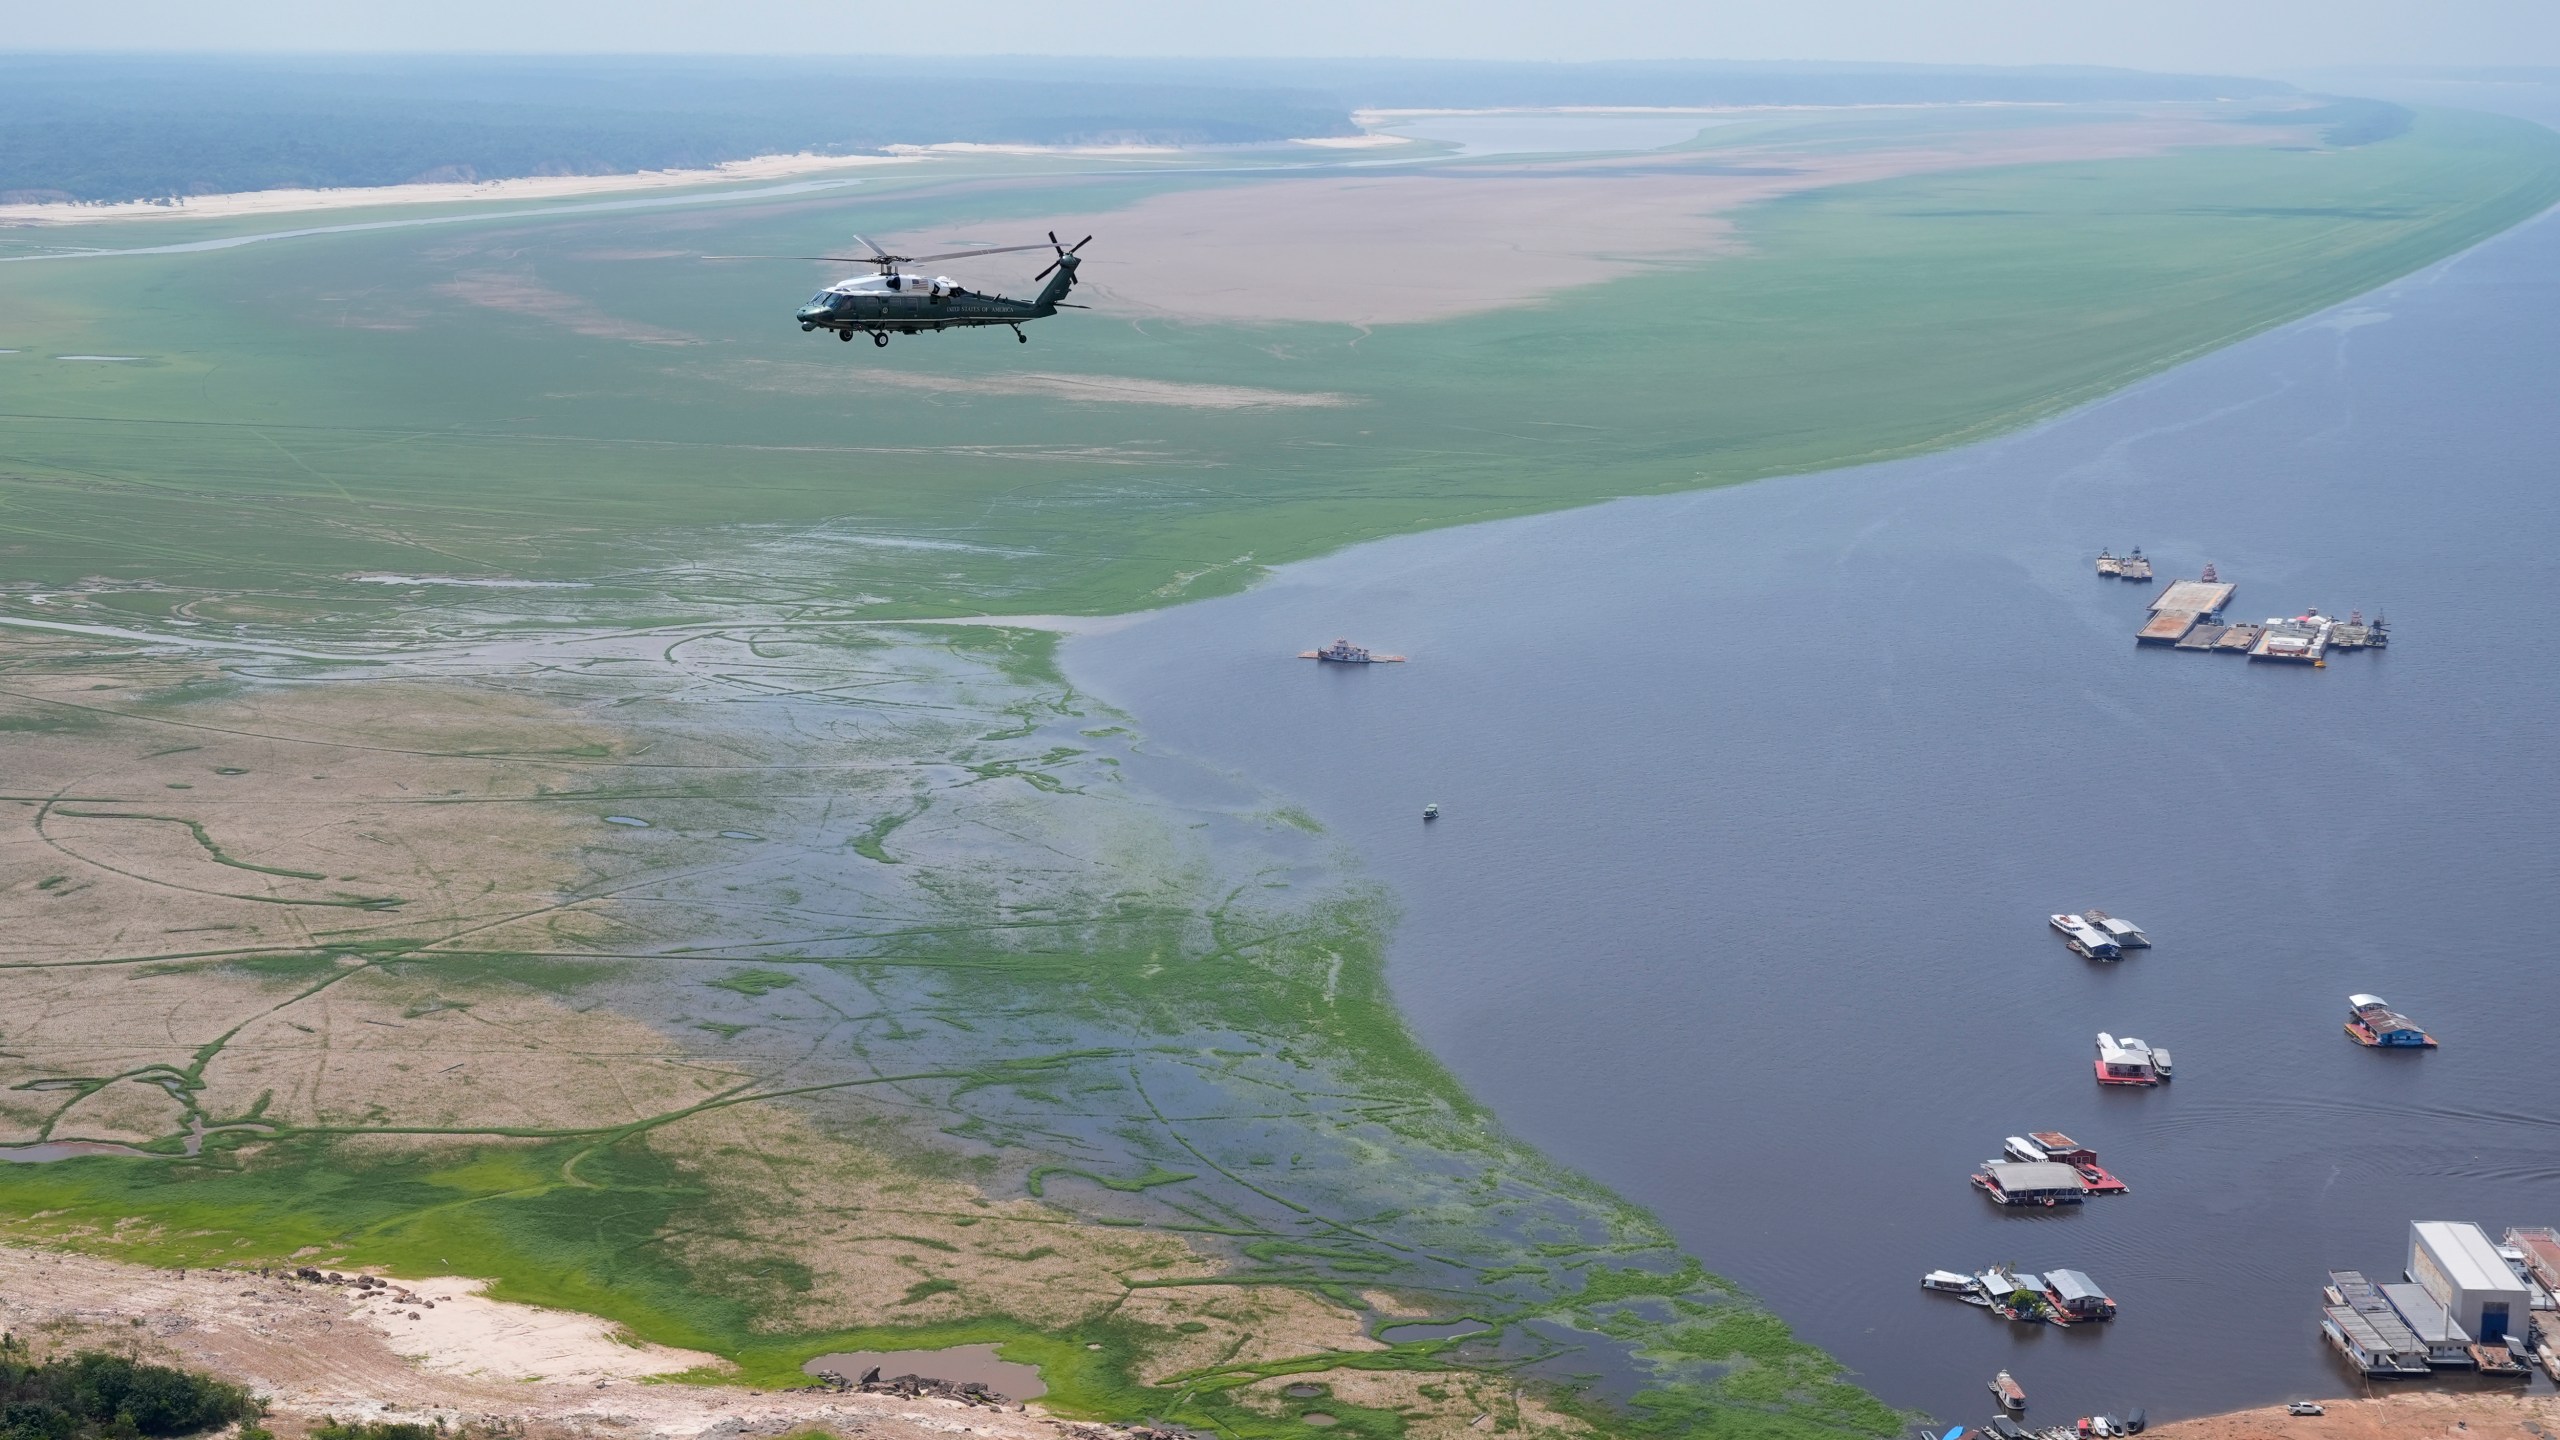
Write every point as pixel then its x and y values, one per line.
pixel 893 302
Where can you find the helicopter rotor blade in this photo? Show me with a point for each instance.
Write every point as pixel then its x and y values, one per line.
pixel 964 254
pixel 876 252
pixel 1079 244
pixel 838 259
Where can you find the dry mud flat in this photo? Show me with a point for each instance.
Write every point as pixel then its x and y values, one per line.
pixel 1399 248
pixel 317 1350
pixel 2396 1417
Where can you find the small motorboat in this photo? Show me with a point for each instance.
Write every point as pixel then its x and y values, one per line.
pixel 2305 1407
pixel 2013 1396
pixel 2160 1063
pixel 2022 1149
pixel 1430 812
pixel 2135 1422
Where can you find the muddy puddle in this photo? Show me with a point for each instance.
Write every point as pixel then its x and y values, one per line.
pixel 959 1365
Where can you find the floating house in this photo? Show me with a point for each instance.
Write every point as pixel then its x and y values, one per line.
pixel 2032 1183
pixel 2076 1295
pixel 2453 1261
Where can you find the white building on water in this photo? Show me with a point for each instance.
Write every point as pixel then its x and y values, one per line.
pixel 2453 1261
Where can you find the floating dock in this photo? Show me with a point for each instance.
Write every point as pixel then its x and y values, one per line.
pixel 2187 615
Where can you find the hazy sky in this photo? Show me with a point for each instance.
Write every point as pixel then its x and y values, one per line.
pixel 2243 35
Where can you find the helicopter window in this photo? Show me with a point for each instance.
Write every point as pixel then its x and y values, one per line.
pixel 823 297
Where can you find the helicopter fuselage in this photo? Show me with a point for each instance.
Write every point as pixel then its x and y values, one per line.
pixel 897 304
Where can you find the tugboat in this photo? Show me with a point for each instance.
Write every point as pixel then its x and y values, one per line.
pixel 1343 652
pixel 2012 1395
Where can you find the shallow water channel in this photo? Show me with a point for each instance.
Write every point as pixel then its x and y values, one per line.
pixel 1755 802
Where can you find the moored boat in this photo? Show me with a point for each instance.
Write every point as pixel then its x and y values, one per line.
pixel 2371 1021
pixel 2023 1149
pixel 1343 652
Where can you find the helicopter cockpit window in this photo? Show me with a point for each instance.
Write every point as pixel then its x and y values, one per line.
pixel 823 297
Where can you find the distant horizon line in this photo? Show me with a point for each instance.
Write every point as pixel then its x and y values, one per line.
pixel 815 56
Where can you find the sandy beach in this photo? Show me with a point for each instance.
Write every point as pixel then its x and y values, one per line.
pixel 531 187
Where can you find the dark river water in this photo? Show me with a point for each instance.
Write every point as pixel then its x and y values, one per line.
pixel 1756 801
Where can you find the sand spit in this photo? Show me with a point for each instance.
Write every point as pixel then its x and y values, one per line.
pixel 534 187
pixel 316 1349
pixel 1392 247
pixel 2418 1415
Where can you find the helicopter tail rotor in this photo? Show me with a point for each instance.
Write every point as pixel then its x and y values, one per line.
pixel 1065 252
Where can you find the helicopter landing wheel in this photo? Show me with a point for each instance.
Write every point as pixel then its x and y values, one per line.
pixel 880 338
pixel 844 334
pixel 1019 337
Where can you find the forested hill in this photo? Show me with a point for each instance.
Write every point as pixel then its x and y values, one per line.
pixel 113 127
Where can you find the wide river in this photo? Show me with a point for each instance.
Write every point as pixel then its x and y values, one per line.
pixel 1756 801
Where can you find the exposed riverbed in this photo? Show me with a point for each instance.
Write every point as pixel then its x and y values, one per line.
pixel 1755 802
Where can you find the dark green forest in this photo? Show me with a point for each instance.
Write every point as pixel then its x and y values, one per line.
pixel 95 1395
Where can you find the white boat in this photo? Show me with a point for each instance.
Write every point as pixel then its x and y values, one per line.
pixel 1949 1281
pixel 2160 1063
pixel 2022 1148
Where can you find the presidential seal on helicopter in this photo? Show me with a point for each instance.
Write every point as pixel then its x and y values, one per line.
pixel 892 301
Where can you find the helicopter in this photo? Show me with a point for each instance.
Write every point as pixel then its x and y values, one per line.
pixel 895 302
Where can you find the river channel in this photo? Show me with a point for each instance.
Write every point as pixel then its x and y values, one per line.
pixel 1755 802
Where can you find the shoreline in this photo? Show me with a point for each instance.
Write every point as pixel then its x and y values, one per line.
pixel 2488 1415
pixel 243 203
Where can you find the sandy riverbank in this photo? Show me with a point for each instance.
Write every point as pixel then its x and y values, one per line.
pixel 321 1349
pixel 2408 1416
